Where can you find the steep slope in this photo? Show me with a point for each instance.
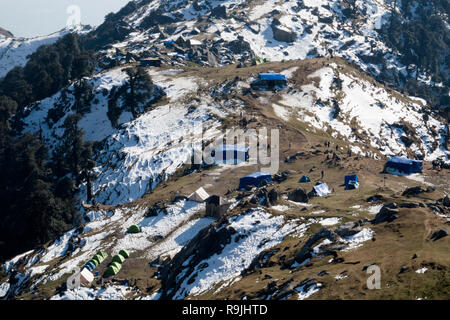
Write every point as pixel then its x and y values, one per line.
pixel 191 255
pixel 275 30
pixel 14 51
pixel 211 51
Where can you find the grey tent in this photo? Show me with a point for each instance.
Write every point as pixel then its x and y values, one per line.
pixel 200 195
pixel 216 206
pixel 322 190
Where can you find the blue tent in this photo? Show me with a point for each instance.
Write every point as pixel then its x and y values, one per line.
pixel 169 43
pixel 231 154
pixel 305 179
pixel 90 266
pixel 351 177
pixel 272 77
pixel 255 179
pixel 403 166
pixel 351 182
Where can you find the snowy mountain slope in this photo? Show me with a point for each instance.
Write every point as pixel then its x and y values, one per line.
pixel 14 51
pixel 163 236
pixel 360 111
pixel 145 151
pixel 148 150
pixel 195 255
pixel 313 27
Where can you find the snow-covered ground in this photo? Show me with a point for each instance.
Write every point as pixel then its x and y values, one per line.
pixel 367 112
pixel 14 52
pixel 261 231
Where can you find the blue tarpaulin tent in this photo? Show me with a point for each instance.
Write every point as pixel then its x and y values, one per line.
pixel 272 77
pixel 304 179
pixel 231 154
pixel 255 179
pixel 351 182
pixel 169 43
pixel 399 165
pixel 269 81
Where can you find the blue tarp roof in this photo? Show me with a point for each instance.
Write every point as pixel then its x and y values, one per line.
pixel 225 148
pixel 258 174
pixel 254 179
pixel 405 165
pixel 169 42
pixel 403 160
pixel 351 177
pixel 272 77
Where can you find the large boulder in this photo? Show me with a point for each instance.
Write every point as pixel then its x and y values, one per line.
pixel 307 250
pixel 282 33
pixel 413 191
pixel 441 233
pixel 239 46
pixel 446 201
pixel 298 195
pixel 349 229
pixel 387 213
pixel 219 12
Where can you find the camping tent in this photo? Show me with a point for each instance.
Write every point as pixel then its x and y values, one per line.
pixel 95 262
pixel 399 165
pixel 231 154
pixel 99 258
pixel 86 276
pixel 254 179
pixel 134 229
pixel 269 81
pixel 113 269
pixel 322 190
pixel 118 258
pixel 304 179
pixel 90 266
pixel 124 253
pixel 351 182
pixel 200 195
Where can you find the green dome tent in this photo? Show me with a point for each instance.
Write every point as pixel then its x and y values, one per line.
pixel 124 253
pixel 134 229
pixel 118 258
pixel 99 258
pixel 95 262
pixel 113 269
pixel 103 254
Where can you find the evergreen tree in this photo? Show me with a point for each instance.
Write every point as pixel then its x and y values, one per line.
pixel 139 89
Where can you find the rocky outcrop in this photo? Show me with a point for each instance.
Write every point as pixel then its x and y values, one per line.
pixel 206 243
pixel 387 213
pixel 439 234
pixel 219 12
pixel 306 252
pixel 282 33
pixel 350 228
pixel 298 195
pixel 6 33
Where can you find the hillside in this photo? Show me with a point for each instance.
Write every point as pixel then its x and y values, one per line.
pixel 113 144
pixel 5 33
pixel 15 51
